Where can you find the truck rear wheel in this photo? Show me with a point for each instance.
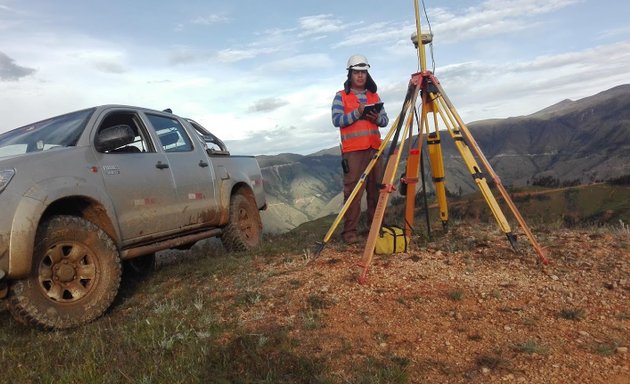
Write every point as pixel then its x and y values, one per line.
pixel 74 278
pixel 244 230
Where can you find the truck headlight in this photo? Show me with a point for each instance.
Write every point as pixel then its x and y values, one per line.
pixel 5 176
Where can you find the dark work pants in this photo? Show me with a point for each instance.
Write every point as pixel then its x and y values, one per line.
pixel 358 161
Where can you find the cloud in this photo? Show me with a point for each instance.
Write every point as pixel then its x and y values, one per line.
pixel 267 104
pixel 614 33
pixel 104 60
pixel 282 139
pixel 319 24
pixel 380 32
pixel 210 19
pixel 187 55
pixel 232 55
pixel 287 40
pixel 514 88
pixel 299 63
pixel 11 71
pixel 492 17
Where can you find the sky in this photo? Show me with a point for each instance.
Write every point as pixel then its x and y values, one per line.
pixel 262 75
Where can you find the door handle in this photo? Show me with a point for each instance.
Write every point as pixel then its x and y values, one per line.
pixel 202 164
pixel 161 165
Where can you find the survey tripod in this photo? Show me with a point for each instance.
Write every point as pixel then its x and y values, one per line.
pixel 425 88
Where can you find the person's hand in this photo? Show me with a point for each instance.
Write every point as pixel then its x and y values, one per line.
pixel 360 109
pixel 372 116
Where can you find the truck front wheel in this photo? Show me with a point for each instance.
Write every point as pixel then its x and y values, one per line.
pixel 244 230
pixel 74 278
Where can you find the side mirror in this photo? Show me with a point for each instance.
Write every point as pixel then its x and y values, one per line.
pixel 113 137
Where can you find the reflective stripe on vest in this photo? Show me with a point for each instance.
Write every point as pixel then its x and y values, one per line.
pixel 362 134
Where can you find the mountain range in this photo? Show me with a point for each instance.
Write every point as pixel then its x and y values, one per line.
pixel 571 142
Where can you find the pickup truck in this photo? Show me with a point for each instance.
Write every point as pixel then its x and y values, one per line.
pixel 82 192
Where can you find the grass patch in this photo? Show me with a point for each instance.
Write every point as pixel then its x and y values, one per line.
pixel 456 294
pixel 623 316
pixel 530 346
pixel 311 317
pixel 606 348
pixel 493 361
pixel 316 301
pixel 475 337
pixel 392 370
pixel 249 298
pixel 311 320
pixel 575 314
pixel 266 357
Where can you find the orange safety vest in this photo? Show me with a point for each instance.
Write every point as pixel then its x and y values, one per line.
pixel 362 134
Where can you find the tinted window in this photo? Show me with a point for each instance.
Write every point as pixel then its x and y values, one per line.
pixel 173 137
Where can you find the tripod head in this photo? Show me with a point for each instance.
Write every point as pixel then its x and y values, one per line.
pixel 425 38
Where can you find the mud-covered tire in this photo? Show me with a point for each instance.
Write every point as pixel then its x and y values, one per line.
pixel 74 278
pixel 244 230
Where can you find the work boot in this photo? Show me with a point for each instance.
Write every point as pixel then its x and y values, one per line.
pixel 350 238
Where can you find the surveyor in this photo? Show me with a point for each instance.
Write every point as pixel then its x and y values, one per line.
pixel 360 141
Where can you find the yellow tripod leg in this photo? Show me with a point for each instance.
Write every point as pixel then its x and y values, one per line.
pixel 383 198
pixel 319 246
pixel 379 213
pixel 437 172
pixel 479 178
pixel 445 100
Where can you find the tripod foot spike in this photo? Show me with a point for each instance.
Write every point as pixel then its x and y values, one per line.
pixel 445 226
pixel 319 247
pixel 362 270
pixel 317 250
pixel 541 256
pixel 512 239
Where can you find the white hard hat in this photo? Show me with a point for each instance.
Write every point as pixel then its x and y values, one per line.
pixel 358 62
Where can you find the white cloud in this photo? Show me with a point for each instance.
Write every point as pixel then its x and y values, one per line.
pixel 107 61
pixel 232 55
pixel 299 63
pixel 320 24
pixel 186 55
pixel 514 88
pixel 380 32
pixel 490 18
pixel 289 66
pixel 210 19
pixel 267 104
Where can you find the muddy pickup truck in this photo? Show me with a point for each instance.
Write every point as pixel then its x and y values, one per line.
pixel 82 192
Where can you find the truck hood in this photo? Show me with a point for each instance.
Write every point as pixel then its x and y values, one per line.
pixel 16 160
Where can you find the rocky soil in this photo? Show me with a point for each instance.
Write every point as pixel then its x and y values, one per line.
pixel 464 308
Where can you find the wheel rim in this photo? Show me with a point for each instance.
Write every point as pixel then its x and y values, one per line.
pixel 67 272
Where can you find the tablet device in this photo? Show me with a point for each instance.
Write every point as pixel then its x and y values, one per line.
pixel 372 107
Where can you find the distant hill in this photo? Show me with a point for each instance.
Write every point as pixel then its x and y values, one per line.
pixel 571 142
pixel 299 189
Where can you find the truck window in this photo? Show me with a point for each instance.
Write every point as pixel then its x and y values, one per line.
pixel 60 131
pixel 172 135
pixel 141 143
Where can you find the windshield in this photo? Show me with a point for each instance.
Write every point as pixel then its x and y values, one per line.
pixel 60 131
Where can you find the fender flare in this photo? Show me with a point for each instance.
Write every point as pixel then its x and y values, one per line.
pixel 32 208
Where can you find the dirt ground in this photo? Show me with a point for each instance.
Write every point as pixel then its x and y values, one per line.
pixel 466 308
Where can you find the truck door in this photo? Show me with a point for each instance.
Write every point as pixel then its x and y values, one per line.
pixel 138 180
pixel 192 171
